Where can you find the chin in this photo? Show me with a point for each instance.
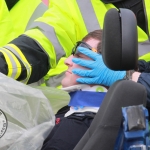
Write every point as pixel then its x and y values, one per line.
pixel 66 82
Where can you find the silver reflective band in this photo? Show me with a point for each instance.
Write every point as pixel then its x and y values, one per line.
pixel 38 12
pixel 49 32
pixel 14 66
pixel 89 18
pixel 25 64
pixel 143 48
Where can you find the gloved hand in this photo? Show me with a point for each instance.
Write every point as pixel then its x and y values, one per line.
pixel 98 73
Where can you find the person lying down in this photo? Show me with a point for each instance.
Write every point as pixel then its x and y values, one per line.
pixel 73 120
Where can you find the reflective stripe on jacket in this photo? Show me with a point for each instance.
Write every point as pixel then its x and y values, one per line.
pixel 28 11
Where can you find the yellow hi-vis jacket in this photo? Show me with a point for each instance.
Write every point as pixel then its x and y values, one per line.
pixel 144 41
pixel 24 12
pixel 19 18
pixel 6 24
pixel 54 34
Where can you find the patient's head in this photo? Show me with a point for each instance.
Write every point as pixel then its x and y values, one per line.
pixel 91 41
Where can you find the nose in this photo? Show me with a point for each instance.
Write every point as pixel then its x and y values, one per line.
pixel 68 61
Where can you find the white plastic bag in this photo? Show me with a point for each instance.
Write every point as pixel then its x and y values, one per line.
pixel 29 115
pixel 57 97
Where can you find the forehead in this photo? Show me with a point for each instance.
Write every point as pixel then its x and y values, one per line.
pixel 92 42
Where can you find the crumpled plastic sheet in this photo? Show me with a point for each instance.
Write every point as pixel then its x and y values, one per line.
pixel 57 97
pixel 29 113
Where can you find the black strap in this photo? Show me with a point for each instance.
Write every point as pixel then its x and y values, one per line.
pixel 87 113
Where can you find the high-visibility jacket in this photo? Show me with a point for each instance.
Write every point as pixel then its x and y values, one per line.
pixel 19 18
pixel 6 24
pixel 51 37
pixel 144 41
pixel 28 10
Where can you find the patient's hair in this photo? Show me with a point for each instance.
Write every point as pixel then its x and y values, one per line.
pixel 96 34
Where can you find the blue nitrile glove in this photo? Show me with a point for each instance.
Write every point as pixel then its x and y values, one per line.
pixel 98 73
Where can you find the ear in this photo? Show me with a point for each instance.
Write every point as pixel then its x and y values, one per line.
pixel 119 40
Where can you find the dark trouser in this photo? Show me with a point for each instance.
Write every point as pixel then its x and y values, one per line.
pixel 68 131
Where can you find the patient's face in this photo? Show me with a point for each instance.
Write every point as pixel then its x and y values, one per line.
pixel 70 78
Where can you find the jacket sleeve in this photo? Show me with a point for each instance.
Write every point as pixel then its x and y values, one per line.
pixel 144 79
pixel 23 60
pixel 144 66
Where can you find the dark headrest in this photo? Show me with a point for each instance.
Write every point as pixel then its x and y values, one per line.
pixel 120 42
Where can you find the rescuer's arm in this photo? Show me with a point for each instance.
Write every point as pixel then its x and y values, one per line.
pixel 30 56
pixel 23 60
pixel 143 77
